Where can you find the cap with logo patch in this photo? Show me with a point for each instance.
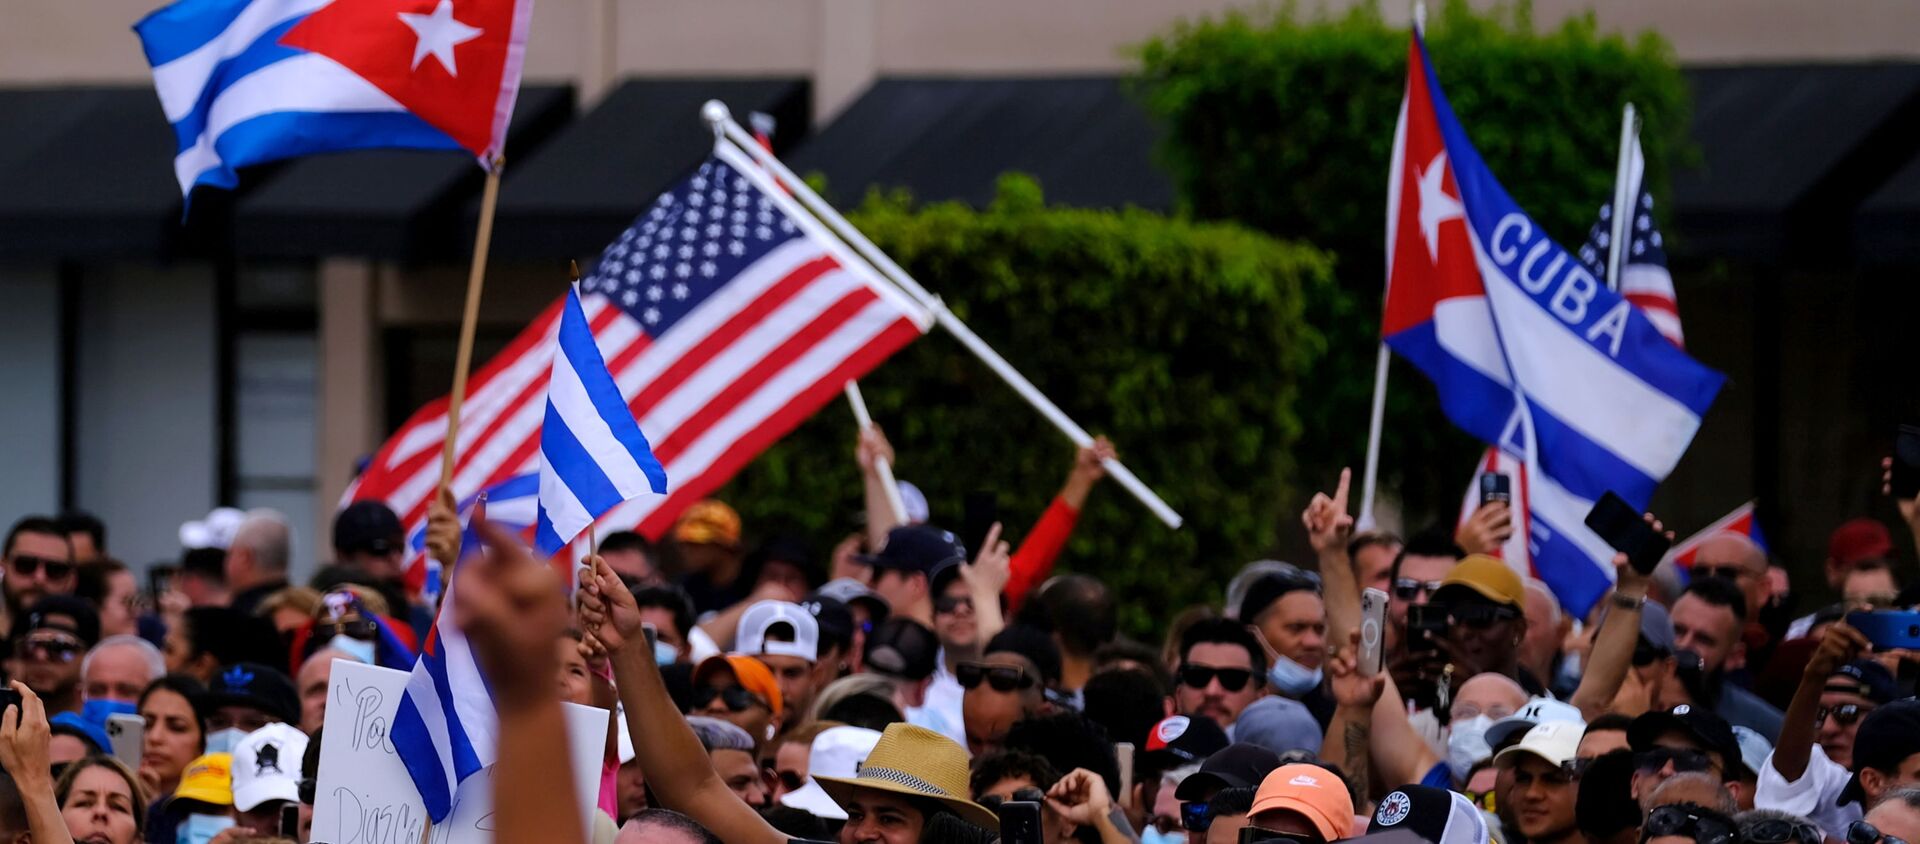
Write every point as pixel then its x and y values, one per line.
pixel 258 686
pixel 1866 678
pixel 1312 792
pixel 1434 814
pixel 1706 728
pixel 1180 740
pixel 266 766
pixel 1540 710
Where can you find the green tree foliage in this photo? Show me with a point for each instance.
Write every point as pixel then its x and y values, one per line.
pixel 1185 342
pixel 1285 124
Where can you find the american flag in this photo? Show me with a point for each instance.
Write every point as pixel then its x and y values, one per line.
pixel 725 318
pixel 1644 279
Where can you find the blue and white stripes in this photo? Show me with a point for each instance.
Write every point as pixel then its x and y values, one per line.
pixel 236 96
pixel 592 454
pixel 445 729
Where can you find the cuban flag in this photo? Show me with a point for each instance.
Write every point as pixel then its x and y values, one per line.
pixel 251 81
pixel 445 729
pixel 1740 521
pixel 509 503
pixel 1529 351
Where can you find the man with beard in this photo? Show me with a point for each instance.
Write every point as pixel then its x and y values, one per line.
pixel 39 562
pixel 1222 670
pixel 1707 622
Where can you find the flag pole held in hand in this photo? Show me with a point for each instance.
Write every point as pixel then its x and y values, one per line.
pixel 880 464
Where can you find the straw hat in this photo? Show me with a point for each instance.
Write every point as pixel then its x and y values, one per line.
pixel 915 762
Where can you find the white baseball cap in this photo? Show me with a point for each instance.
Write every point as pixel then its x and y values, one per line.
pixel 1557 742
pixel 266 766
pixel 1540 710
pixel 836 752
pixel 750 637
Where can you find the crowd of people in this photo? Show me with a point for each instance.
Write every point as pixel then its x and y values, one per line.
pixel 908 688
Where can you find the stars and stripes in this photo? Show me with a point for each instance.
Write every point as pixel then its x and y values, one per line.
pixel 1644 278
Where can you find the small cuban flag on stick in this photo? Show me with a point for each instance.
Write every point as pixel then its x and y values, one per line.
pixel 592 457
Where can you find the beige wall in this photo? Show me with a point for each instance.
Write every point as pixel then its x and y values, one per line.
pixel 845 43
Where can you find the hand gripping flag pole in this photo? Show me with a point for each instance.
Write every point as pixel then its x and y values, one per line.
pixel 732 133
pixel 880 465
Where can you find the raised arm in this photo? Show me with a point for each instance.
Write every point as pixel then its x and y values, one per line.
pixel 1839 646
pixel 1351 728
pixel 1613 643
pixel 679 771
pixel 24 740
pixel 873 444
pixel 986 576
pixel 1041 548
pixel 1329 529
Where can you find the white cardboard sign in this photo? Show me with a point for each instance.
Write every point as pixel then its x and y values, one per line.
pixel 364 795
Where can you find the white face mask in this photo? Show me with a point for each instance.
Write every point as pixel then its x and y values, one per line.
pixel 1467 745
pixel 223 741
pixel 1291 678
pixel 1154 836
pixel 360 649
pixel 665 654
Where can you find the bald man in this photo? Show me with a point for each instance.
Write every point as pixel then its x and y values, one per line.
pixel 1735 557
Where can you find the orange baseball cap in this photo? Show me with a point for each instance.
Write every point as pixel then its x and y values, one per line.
pixel 708 522
pixel 750 673
pixel 1310 791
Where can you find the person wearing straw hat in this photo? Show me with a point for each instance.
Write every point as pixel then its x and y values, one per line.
pixel 912 774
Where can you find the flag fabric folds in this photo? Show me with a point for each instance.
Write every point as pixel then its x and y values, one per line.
pixel 1528 349
pixel 726 317
pixel 592 453
pixel 1644 279
pixel 251 81
pixel 445 729
pixel 510 504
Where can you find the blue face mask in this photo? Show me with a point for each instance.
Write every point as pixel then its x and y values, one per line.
pixel 1154 836
pixel 200 829
pixel 97 711
pixel 223 741
pixel 665 654
pixel 1291 678
pixel 359 649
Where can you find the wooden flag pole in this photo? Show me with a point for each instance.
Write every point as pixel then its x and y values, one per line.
pixel 476 279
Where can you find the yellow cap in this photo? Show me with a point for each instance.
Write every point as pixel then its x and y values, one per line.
pixel 708 522
pixel 208 779
pixel 1493 579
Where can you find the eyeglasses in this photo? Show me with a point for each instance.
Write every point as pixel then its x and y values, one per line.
pixel 1680 821
pixel 1481 616
pixel 950 603
pixel 734 698
pixel 1483 799
pixel 1196 816
pixel 1406 588
pixel 1198 676
pixel 1684 760
pixel 51 649
pixel 1845 714
pixel 1003 678
pixel 25 566
pixel 1861 832
pixel 1774 831
pixel 1730 572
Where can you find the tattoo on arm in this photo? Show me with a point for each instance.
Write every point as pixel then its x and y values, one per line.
pixel 1356 746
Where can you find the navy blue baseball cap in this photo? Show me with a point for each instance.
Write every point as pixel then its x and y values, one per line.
pixel 258 686
pixel 1866 678
pixel 918 548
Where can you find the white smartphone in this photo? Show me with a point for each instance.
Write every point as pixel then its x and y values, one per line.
pixel 1373 624
pixel 1123 755
pixel 127 732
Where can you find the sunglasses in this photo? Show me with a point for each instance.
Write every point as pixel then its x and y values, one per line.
pixel 1845 714
pixel 950 603
pixel 1483 799
pixel 25 566
pixel 1406 588
pixel 1196 816
pixel 1782 832
pixel 734 698
pixel 1861 832
pixel 363 629
pixel 1003 678
pixel 55 650
pixel 1022 795
pixel 1729 572
pixel 1684 761
pixel 1198 676
pixel 791 781
pixel 1480 616
pixel 1677 820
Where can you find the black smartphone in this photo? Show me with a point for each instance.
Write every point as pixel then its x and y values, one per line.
pixel 8 697
pixel 982 510
pixel 1905 482
pixel 1623 528
pixel 160 580
pixel 1496 486
pixel 1020 822
pixel 1426 625
pixel 290 821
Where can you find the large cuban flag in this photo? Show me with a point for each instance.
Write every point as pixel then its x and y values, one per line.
pixel 1529 351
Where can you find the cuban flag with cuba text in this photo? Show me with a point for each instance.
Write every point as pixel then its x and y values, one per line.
pixel 1528 350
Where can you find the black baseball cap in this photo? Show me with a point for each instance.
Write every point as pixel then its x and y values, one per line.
pixel 258 686
pixel 1430 812
pixel 1886 737
pixel 1233 766
pixel 903 648
pixel 1271 587
pixel 1181 740
pixel 1866 678
pixel 834 619
pixel 59 612
pixel 368 526
pixel 1709 729
pixel 918 548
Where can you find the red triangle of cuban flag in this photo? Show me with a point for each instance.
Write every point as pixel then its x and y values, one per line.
pixel 1428 255
pixel 454 63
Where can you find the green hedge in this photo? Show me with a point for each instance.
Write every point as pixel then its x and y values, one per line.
pixel 1285 124
pixel 1185 342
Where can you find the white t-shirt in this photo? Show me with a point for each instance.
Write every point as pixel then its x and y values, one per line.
pixel 1813 796
pixel 940 712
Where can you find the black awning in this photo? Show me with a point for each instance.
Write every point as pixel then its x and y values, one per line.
pixel 86 172
pixel 1088 142
pixel 580 190
pixel 1887 227
pixel 390 204
pixel 1786 153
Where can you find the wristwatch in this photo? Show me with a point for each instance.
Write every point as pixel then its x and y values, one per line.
pixel 1626 602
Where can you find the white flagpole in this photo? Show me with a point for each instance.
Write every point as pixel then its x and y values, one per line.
pixel 1622 203
pixel 717 115
pixel 880 465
